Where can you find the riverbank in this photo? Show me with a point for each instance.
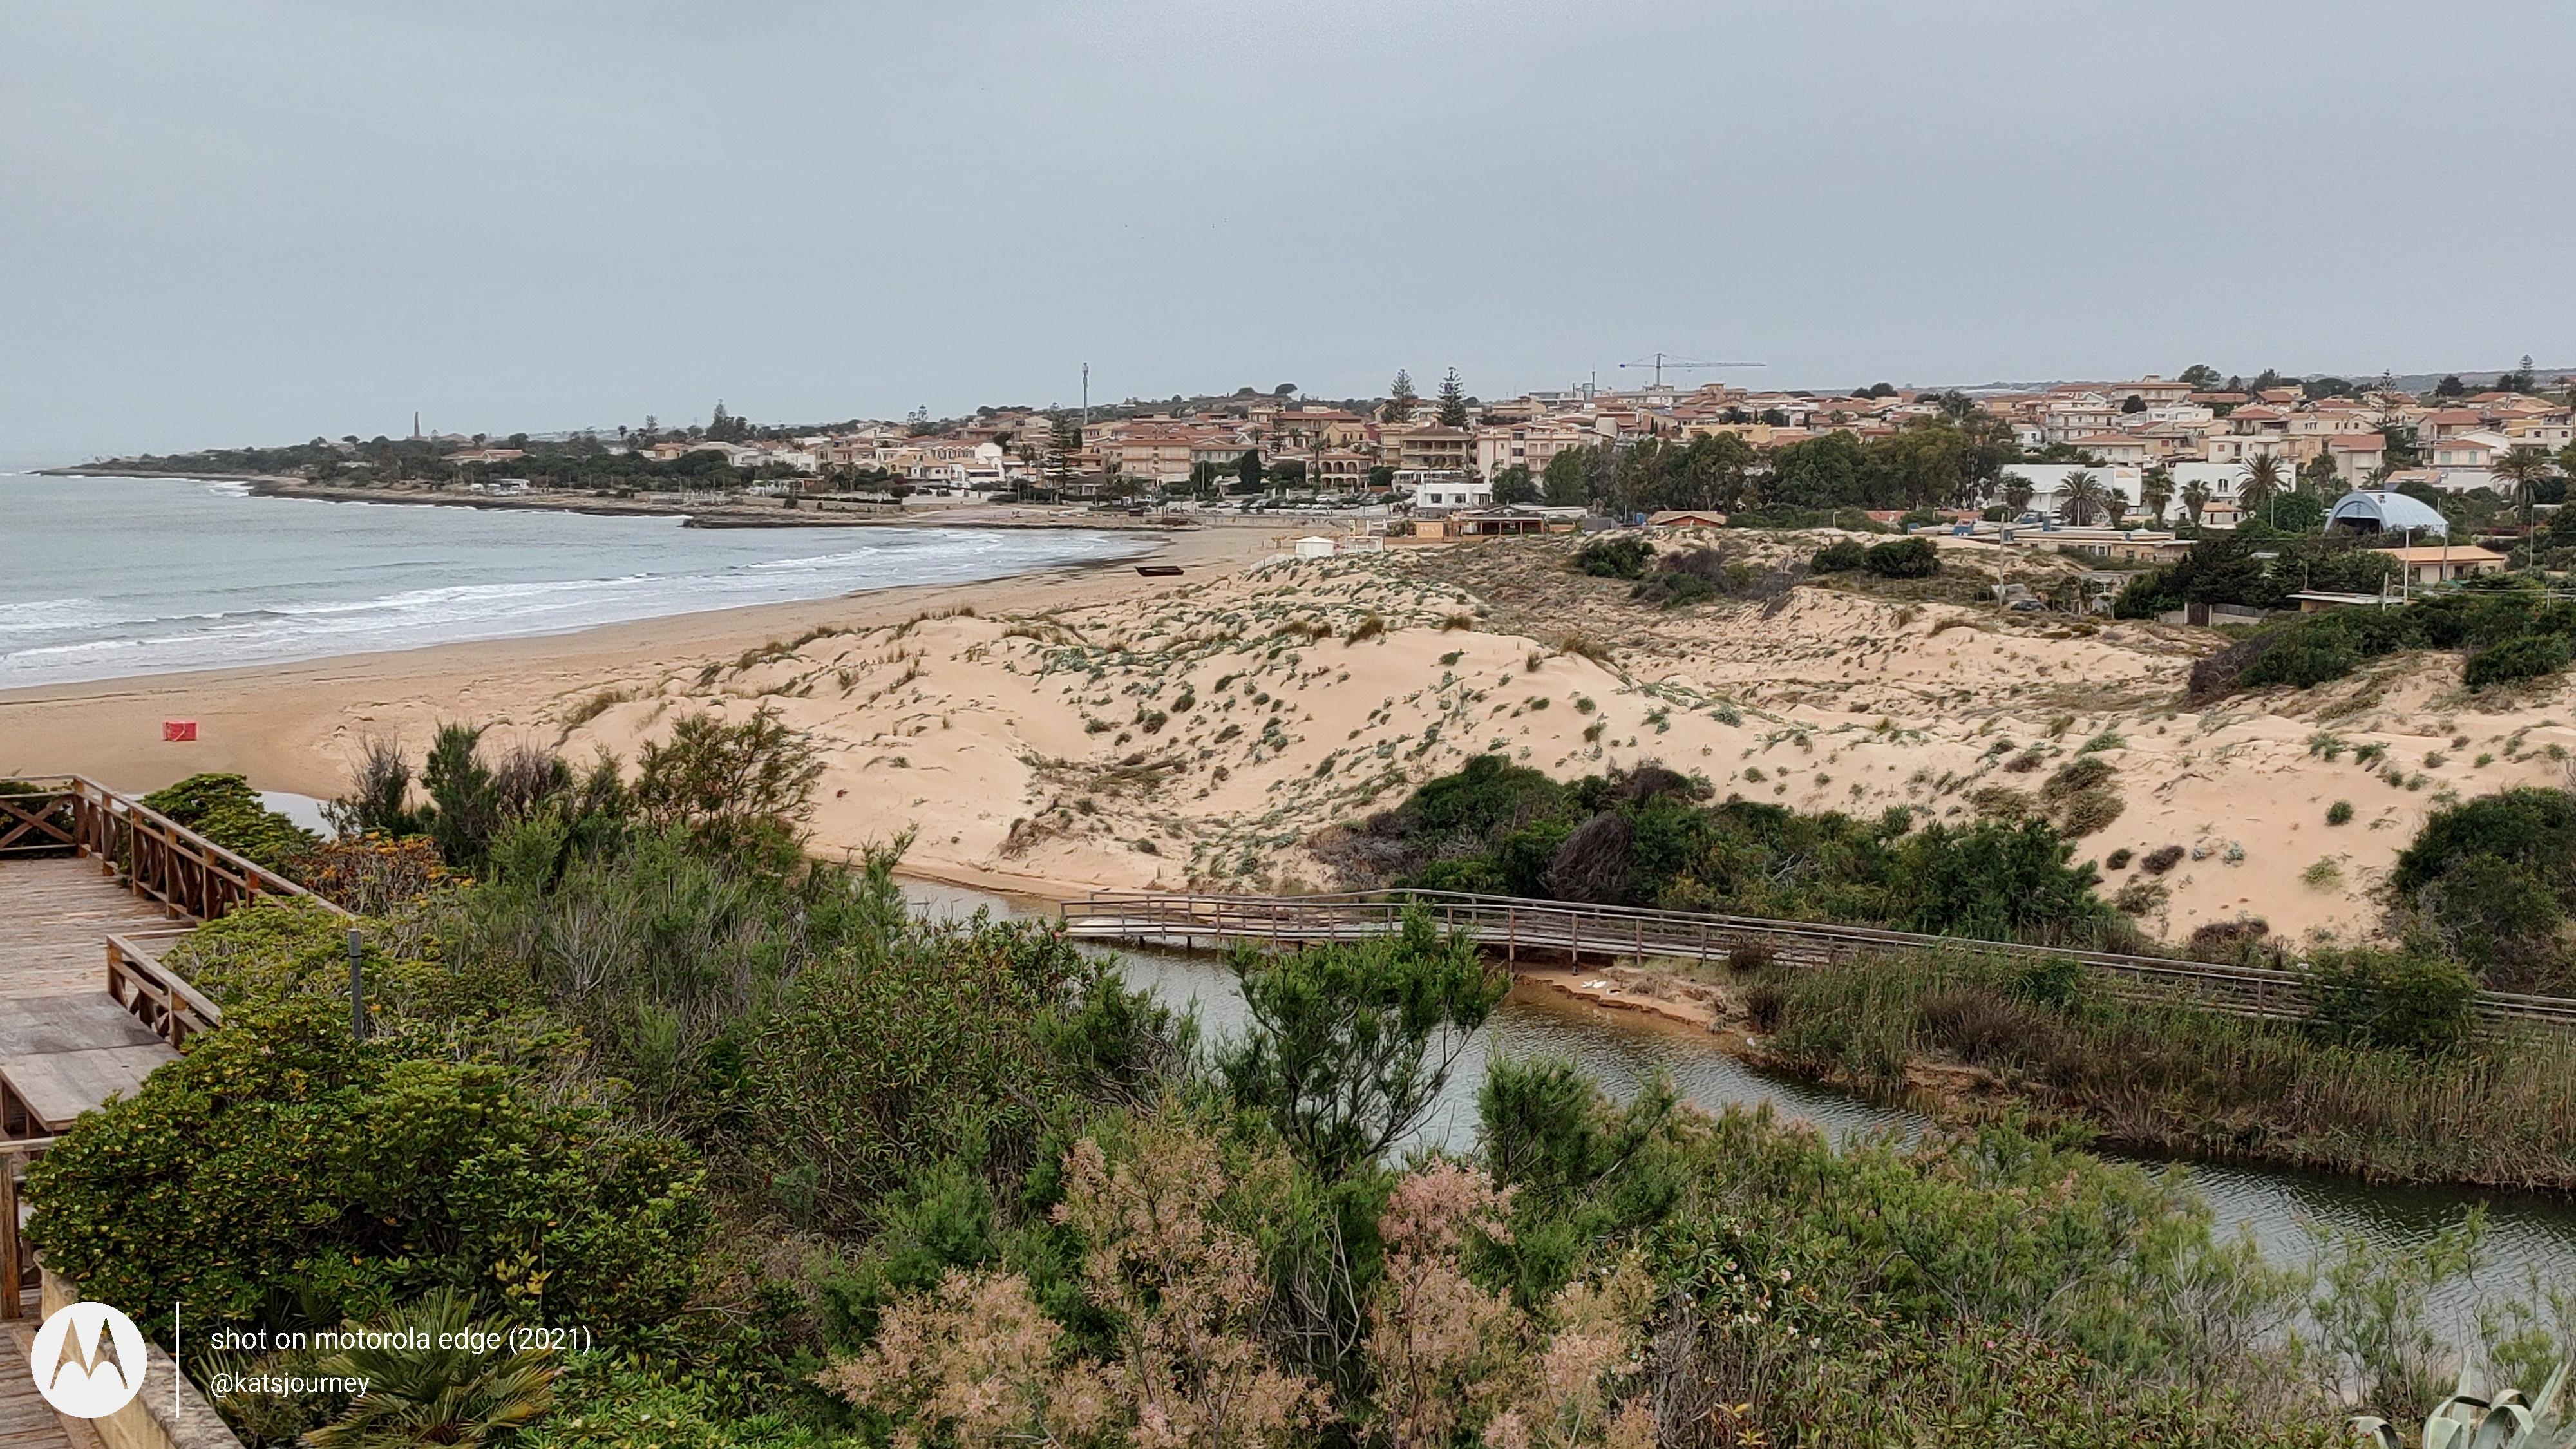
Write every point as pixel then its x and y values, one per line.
pixel 1950 1039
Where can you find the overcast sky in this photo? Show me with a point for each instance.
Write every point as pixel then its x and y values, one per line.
pixel 261 221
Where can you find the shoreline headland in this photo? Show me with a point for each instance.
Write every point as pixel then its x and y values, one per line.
pixel 691 515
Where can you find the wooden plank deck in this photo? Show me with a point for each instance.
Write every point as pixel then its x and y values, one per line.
pixel 65 1045
pixel 26 1420
pixel 55 917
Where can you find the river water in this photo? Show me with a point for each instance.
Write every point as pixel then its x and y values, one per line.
pixel 2283 1210
pixel 119 576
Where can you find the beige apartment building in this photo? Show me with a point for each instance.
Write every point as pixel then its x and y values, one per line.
pixel 1530 445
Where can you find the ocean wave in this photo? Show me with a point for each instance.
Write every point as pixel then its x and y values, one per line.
pixel 260 618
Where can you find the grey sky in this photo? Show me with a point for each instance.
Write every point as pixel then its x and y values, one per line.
pixel 267 219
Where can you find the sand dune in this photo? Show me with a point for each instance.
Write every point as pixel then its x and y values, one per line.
pixel 1097 729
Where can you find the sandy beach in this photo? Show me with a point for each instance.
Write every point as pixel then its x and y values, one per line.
pixel 286 725
pixel 1090 727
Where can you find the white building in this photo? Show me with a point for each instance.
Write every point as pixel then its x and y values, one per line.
pixel 2047 482
pixel 1450 490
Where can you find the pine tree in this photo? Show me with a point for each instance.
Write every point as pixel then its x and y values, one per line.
pixel 1401 398
pixel 1453 401
pixel 1064 446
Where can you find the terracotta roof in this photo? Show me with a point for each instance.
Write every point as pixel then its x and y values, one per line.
pixel 2456 553
pixel 2357 443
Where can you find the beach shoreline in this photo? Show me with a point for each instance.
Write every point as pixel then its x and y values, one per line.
pixel 737 515
pixel 294 726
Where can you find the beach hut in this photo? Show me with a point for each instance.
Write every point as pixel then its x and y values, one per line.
pixel 1314 545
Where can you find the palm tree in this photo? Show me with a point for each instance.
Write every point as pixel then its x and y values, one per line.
pixel 2524 468
pixel 2079 496
pixel 2016 495
pixel 2195 497
pixel 2155 491
pixel 2262 483
pixel 438 1395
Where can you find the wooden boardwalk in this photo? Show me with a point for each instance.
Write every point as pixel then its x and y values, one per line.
pixel 1516 928
pixel 65 1044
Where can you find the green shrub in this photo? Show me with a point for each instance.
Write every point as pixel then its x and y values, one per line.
pixel 1841 556
pixel 226 810
pixel 281 1173
pixel 1904 558
pixel 1614 556
pixel 1645 836
pixel 2529 657
pixel 2382 998
pixel 2053 981
pixel 2339 813
pixel 2494 880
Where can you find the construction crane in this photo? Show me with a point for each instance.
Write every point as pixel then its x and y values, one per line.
pixel 1659 362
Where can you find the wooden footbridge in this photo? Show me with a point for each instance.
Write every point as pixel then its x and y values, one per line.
pixel 93 888
pixel 1519 929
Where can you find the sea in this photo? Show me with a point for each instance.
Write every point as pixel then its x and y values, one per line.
pixel 102 578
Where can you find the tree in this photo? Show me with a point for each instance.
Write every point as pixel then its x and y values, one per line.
pixel 2016 494
pixel 1568 478
pixel 2081 496
pixel 1247 470
pixel 2134 404
pixel 1064 450
pixel 1400 398
pixel 2523 469
pixel 2195 497
pixel 2199 377
pixel 724 427
pixel 1350 1043
pixel 729 786
pixel 2449 386
pixel 2262 480
pixel 1514 485
pixel 2155 490
pixel 1453 402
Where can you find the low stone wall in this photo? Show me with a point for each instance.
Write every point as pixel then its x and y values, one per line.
pixel 153 1420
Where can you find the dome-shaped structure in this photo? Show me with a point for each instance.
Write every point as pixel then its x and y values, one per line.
pixel 2370 511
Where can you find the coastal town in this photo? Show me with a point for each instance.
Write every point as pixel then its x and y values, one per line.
pixel 2192 452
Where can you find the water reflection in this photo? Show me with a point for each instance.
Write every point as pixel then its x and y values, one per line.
pixel 2284 1210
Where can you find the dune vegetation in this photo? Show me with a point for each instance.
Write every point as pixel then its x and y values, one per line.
pixel 813 1171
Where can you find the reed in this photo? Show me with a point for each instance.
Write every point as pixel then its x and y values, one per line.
pixel 2165 1076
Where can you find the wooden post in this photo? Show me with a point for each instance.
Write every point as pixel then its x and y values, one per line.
pixel 10 1287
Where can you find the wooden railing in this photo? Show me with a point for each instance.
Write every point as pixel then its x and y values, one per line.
pixel 157 856
pixel 154 995
pixel 17 1256
pixel 1574 931
pixel 38 820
